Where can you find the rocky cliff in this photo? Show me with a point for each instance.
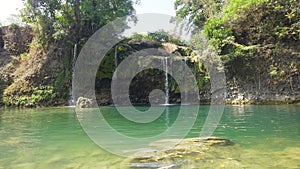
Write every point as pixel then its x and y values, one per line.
pixel 31 75
pixel 271 76
pixel 40 75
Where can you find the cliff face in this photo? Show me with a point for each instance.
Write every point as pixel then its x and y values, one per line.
pixel 270 76
pixel 265 53
pixel 31 74
pixel 13 42
pixel 266 74
pixel 145 81
pixel 34 75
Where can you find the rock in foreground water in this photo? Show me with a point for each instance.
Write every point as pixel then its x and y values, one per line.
pixel 190 152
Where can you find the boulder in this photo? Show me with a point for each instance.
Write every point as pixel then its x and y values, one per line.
pixel 83 102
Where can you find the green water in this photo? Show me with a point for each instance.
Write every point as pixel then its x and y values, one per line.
pixel 265 137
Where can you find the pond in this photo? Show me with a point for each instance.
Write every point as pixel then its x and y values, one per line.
pixel 264 137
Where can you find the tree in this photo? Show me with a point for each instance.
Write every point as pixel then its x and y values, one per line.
pixel 42 13
pixel 197 12
pixel 73 20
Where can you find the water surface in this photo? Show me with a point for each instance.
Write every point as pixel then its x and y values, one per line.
pixel 265 137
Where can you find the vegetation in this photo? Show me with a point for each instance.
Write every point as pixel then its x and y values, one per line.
pixel 72 20
pixel 39 96
pixel 265 20
pixel 125 48
pixel 248 28
pixel 44 73
pixel 158 36
pixel 258 40
pixel 199 11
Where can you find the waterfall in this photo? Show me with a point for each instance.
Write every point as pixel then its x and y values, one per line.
pixel 166 82
pixel 184 81
pixel 71 94
pixel 116 60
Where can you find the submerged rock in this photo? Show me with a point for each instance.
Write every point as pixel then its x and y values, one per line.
pixel 186 152
pixel 157 164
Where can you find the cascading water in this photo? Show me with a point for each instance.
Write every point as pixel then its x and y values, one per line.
pixel 166 81
pixel 167 117
pixel 185 87
pixel 167 91
pixel 71 94
pixel 116 60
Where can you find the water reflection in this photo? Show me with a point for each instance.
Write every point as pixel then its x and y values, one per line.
pixel 240 110
pixel 167 117
pixel 53 138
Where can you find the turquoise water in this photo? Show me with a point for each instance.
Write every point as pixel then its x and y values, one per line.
pixel 265 137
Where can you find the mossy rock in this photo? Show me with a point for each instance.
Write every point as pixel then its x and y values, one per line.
pixel 185 152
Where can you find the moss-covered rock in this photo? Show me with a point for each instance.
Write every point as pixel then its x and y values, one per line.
pixel 187 153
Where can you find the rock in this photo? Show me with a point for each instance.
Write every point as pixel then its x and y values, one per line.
pixel 1 39
pixel 169 47
pixel 184 152
pixel 159 165
pixel 143 44
pixel 84 102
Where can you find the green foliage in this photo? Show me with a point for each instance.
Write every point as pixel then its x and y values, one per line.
pixel 246 25
pixel 245 22
pixel 163 36
pixel 72 21
pixel 273 71
pixel 58 25
pixel 42 95
pixel 158 36
pixel 24 56
pixel 268 21
pixel 234 7
pixel 62 81
pixel 39 96
pixel 197 12
pixel 216 30
pixel 221 28
pixel 107 66
pixel 137 36
pixel 42 13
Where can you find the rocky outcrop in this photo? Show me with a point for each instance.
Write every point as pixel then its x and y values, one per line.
pixel 249 80
pixel 145 81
